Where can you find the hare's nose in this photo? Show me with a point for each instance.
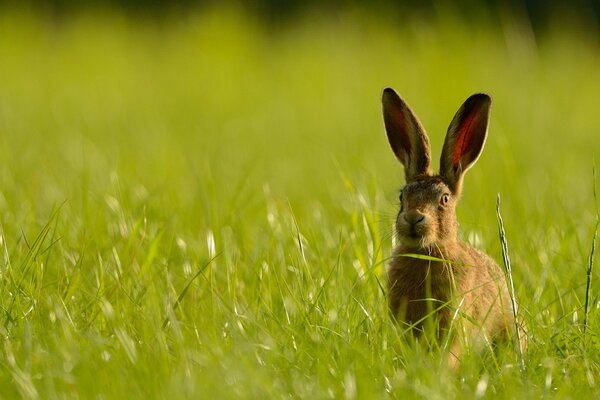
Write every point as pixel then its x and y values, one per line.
pixel 414 218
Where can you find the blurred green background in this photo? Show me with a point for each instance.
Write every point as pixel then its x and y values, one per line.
pixel 139 139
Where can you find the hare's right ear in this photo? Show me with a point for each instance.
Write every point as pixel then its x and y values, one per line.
pixel 465 139
pixel 406 135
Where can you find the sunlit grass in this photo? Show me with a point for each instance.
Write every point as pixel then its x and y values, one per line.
pixel 134 152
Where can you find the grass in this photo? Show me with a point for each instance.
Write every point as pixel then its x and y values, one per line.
pixel 590 267
pixel 203 206
pixel 518 332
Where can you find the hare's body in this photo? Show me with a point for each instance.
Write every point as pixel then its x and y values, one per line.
pixel 432 273
pixel 470 279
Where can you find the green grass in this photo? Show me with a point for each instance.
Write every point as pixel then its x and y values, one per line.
pixel 134 152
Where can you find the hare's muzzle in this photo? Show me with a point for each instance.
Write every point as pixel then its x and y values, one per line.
pixel 412 226
pixel 414 218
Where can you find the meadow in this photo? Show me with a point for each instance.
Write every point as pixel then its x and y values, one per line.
pixel 201 206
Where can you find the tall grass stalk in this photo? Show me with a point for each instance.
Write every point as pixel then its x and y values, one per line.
pixel 510 283
pixel 590 264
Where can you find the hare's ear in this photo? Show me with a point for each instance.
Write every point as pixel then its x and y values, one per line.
pixel 465 139
pixel 406 135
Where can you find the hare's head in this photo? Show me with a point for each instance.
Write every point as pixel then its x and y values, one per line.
pixel 427 214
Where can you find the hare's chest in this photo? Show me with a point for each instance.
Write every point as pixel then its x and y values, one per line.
pixel 419 288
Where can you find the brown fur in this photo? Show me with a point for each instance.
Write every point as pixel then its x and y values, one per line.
pixel 453 278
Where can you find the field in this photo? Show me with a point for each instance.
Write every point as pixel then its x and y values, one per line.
pixel 201 206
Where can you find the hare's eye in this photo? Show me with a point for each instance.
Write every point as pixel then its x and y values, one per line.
pixel 444 199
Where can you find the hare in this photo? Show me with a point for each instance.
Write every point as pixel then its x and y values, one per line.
pixel 432 272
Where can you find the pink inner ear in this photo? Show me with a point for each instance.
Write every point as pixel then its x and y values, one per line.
pixel 403 120
pixel 465 134
pixel 400 128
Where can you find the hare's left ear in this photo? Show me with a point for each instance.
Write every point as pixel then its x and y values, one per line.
pixel 465 139
pixel 406 136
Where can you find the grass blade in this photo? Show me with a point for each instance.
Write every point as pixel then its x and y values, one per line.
pixel 509 282
pixel 590 264
pixel 187 286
